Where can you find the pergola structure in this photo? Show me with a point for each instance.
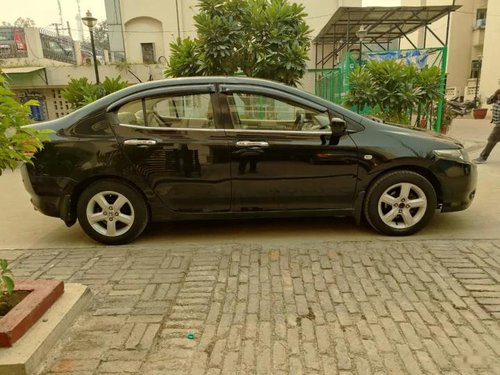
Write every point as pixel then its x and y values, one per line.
pixel 383 26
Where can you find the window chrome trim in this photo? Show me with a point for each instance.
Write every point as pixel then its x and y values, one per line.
pixel 167 128
pixel 296 132
pixel 322 132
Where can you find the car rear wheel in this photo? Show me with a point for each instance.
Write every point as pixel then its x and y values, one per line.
pixel 112 212
pixel 400 203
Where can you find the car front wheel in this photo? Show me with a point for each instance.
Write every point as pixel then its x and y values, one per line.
pixel 400 203
pixel 112 212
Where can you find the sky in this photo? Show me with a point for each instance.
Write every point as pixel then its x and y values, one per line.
pixel 46 12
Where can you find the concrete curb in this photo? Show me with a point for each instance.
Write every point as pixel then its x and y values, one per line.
pixel 26 355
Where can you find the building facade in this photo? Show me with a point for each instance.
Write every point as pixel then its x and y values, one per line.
pixel 142 32
pixel 40 64
pixel 472 47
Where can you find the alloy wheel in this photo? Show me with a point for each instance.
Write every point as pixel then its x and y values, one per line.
pixel 110 213
pixel 402 205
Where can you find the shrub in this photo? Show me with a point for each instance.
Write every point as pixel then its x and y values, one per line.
pixel 393 90
pixel 81 92
pixel 6 281
pixel 17 142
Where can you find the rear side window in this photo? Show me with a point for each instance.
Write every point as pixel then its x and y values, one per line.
pixel 175 111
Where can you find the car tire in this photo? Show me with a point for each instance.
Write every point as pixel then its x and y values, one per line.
pixel 112 212
pixel 400 203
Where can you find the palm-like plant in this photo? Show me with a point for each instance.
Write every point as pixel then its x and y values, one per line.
pixel 258 38
pixel 393 90
pixel 81 92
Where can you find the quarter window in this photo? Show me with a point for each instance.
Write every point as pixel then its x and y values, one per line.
pixel 250 111
pixel 182 111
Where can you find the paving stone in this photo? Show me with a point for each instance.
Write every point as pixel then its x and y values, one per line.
pixel 399 307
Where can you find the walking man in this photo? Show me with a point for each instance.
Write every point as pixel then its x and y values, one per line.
pixel 494 137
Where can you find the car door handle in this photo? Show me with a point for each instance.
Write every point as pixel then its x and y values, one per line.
pixel 251 144
pixel 139 142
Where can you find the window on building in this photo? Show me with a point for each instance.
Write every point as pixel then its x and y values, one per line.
pixel 475 69
pixel 481 18
pixel 148 53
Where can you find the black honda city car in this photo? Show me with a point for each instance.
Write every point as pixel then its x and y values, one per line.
pixel 221 147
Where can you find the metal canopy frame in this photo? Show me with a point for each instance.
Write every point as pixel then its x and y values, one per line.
pixel 384 25
pixel 38 70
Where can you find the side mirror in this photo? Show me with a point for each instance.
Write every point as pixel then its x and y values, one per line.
pixel 338 127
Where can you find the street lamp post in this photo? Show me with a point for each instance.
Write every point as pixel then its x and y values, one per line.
pixel 361 34
pixel 90 22
pixel 477 69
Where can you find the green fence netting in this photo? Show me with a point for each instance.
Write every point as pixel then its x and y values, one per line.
pixel 333 83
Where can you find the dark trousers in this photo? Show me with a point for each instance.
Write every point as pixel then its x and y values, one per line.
pixel 493 139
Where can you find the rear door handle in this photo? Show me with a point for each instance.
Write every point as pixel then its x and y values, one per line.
pixel 139 142
pixel 251 144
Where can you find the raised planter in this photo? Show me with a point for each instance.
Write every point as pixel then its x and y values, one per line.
pixel 27 354
pixel 479 113
pixel 43 294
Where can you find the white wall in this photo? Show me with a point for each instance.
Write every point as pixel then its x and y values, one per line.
pixel 165 29
pixel 143 30
pixel 490 75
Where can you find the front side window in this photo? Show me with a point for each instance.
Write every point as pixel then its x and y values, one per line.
pixel 176 111
pixel 251 111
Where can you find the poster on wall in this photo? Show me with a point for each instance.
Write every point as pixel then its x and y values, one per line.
pixel 19 40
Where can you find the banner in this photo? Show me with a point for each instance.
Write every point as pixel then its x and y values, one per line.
pixel 415 57
pixel 19 40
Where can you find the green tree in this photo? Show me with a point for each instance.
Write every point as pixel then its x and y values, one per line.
pixel 184 59
pixel 17 142
pixel 101 36
pixel 257 38
pixel 20 22
pixel 393 90
pixel 24 22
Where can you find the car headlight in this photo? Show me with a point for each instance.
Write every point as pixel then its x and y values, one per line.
pixel 456 154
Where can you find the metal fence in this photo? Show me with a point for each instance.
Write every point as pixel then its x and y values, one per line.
pixel 57 47
pixel 12 43
pixel 333 84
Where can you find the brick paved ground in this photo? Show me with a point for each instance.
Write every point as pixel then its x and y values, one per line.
pixel 430 307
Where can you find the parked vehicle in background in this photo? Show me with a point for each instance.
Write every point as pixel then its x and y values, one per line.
pixel 461 108
pixel 219 147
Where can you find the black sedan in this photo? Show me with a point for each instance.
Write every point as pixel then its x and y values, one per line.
pixel 220 147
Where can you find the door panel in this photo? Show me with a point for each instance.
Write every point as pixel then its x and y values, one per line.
pixel 176 144
pixel 294 171
pixel 282 157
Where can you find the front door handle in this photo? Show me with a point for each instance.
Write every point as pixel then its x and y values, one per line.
pixel 139 142
pixel 251 144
